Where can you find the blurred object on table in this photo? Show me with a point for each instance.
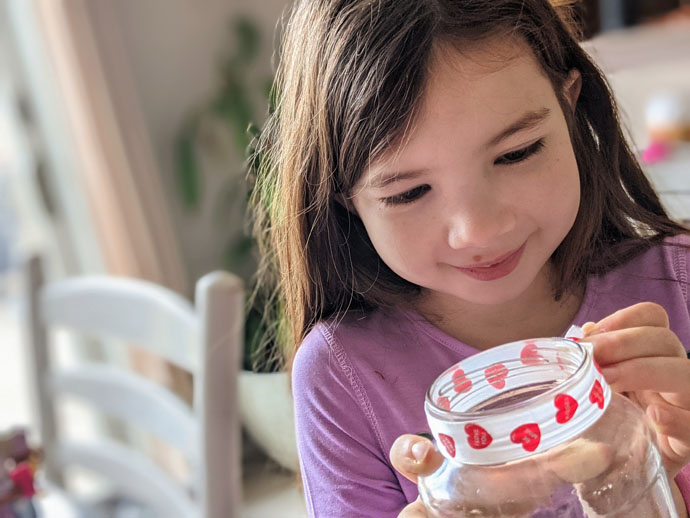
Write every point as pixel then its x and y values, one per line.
pixel 18 464
pixel 667 117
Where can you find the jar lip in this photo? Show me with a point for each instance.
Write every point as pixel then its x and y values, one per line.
pixel 516 400
pixel 462 416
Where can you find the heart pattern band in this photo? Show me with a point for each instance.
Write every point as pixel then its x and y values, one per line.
pixel 517 399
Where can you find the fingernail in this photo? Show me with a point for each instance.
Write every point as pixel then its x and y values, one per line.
pixel 420 450
pixel 588 328
pixel 610 374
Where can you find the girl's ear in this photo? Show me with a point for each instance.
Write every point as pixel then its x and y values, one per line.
pixel 572 87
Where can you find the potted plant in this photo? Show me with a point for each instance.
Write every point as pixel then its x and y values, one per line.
pixel 264 397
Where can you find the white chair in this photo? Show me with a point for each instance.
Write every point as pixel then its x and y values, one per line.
pixel 205 340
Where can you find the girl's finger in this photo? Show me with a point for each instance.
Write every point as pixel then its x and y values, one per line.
pixel 636 342
pixel 670 377
pixel 673 426
pixel 413 456
pixel 415 510
pixel 638 315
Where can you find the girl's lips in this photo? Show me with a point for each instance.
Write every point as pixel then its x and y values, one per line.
pixel 493 262
pixel 503 267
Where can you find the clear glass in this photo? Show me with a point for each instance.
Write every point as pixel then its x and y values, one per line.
pixel 613 469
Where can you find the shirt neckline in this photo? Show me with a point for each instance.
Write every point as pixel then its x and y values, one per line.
pixel 582 316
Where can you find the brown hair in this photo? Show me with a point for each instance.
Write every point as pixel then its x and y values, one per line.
pixel 349 81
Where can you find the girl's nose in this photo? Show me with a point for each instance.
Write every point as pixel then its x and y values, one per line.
pixel 478 223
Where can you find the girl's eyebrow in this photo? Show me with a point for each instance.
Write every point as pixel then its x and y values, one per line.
pixel 527 121
pixel 387 178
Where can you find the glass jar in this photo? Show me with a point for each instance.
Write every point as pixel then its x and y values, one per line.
pixel 531 429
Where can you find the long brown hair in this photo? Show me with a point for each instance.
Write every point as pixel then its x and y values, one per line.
pixel 349 81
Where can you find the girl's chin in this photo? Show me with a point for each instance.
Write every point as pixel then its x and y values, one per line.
pixel 486 296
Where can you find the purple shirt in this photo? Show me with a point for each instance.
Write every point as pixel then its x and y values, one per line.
pixel 360 383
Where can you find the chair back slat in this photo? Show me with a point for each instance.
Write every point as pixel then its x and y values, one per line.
pixel 134 311
pixel 132 399
pixel 129 473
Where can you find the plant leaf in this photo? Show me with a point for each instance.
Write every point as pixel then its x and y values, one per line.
pixel 187 169
pixel 248 39
pixel 238 252
pixel 253 337
pixel 271 93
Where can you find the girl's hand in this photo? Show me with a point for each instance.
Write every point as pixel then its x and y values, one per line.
pixel 414 456
pixel 642 358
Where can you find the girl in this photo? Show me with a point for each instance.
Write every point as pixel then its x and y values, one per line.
pixel 440 177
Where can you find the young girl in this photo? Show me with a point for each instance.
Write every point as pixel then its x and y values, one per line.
pixel 441 177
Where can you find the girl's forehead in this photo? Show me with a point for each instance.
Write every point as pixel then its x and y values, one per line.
pixel 494 67
pixel 482 56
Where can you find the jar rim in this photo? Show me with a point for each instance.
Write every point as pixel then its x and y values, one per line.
pixel 459 416
pixel 547 391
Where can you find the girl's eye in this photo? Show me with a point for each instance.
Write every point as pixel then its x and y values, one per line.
pixel 407 196
pixel 520 155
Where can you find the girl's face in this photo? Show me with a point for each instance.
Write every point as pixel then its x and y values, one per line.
pixel 485 188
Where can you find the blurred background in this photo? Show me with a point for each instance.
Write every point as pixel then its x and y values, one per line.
pixel 123 137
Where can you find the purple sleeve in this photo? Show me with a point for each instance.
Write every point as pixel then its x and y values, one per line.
pixel 681 266
pixel 344 470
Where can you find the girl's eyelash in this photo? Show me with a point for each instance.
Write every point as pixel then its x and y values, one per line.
pixel 520 155
pixel 407 196
pixel 514 157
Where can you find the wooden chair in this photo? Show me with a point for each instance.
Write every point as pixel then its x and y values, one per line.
pixel 204 340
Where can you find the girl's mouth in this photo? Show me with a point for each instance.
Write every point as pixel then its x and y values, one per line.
pixel 495 270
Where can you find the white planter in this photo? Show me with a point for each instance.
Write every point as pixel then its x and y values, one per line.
pixel 265 405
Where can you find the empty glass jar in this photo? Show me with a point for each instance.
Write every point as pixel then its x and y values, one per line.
pixel 531 429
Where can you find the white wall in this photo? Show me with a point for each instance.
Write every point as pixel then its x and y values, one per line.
pixel 174 47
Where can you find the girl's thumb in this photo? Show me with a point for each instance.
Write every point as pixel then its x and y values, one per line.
pixel 414 455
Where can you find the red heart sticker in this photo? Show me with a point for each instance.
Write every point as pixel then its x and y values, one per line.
pixel 461 383
pixel 443 402
pixel 448 443
pixel 530 356
pixel 529 435
pixel 596 395
pixel 496 375
pixel 566 406
pixel 477 437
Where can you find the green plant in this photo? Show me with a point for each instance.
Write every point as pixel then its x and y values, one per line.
pixel 232 108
